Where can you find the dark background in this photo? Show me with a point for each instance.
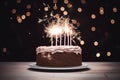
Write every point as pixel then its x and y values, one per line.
pixel 21 39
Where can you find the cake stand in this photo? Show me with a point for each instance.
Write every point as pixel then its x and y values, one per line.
pixel 82 67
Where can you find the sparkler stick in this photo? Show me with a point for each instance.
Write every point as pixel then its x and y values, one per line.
pixel 60 40
pixel 64 39
pixel 51 40
pixel 56 39
pixel 68 39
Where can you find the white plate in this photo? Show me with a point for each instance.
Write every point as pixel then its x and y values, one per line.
pixel 34 66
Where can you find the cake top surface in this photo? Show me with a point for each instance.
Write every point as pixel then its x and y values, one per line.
pixel 54 49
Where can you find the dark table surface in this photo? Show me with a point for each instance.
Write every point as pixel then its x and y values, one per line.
pixel 96 71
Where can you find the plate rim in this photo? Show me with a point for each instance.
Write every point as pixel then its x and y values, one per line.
pixel 34 66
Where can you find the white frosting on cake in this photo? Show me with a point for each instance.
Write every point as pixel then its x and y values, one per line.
pixel 54 49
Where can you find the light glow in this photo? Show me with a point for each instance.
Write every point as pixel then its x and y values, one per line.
pixel 55 7
pixel 55 1
pixel 83 1
pixel 18 1
pixel 61 29
pixel 45 8
pixel 79 9
pixel 62 8
pixel 112 21
pixel 101 10
pixel 65 12
pixel 93 16
pixel 28 13
pixel 82 42
pixel 55 30
pixel 69 5
pixel 108 53
pixel 66 1
pixel 13 11
pixel 95 43
pixel 23 17
pixel 28 6
pixel 97 54
pixel 4 50
pixel 93 28
pixel 114 9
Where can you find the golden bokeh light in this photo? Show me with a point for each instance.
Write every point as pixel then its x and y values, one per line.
pixel 93 16
pixel 66 1
pixel 93 28
pixel 18 1
pixel 55 7
pixel 79 9
pixel 101 10
pixel 62 8
pixel 108 53
pixel 28 6
pixel 65 13
pixel 13 11
pixel 74 21
pixel 112 21
pixel 82 42
pixel 114 9
pixel 46 8
pixel 98 54
pixel 18 17
pixel 4 50
pixel 69 5
pixel 23 17
pixel 83 1
pixel 28 13
pixel 96 43
pixel 19 20
pixel 55 1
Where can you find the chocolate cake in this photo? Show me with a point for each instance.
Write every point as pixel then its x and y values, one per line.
pixel 58 56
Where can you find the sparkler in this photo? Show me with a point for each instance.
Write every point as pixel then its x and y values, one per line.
pixel 58 29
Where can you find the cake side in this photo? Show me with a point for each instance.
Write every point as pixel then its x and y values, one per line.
pixel 54 49
pixel 58 56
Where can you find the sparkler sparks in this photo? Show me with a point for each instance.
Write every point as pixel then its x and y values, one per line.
pixel 60 29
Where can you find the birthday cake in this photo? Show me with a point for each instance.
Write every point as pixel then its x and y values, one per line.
pixel 58 56
pixel 61 52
